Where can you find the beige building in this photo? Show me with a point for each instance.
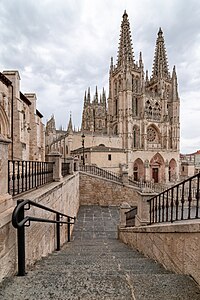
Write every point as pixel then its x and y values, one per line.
pixel 20 121
pixel 190 164
pixel 108 158
pixel 140 115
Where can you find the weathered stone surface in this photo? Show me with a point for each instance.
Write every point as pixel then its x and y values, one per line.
pixel 40 237
pixel 96 266
pixel 101 191
pixel 176 246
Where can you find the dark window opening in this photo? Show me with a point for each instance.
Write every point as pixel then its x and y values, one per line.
pixel 109 156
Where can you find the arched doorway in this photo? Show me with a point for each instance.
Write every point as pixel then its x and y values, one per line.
pixel 157 168
pixel 138 170
pixel 172 170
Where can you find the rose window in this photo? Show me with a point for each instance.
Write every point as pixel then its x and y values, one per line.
pixel 151 134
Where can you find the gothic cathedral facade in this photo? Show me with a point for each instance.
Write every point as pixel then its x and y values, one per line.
pixel 141 112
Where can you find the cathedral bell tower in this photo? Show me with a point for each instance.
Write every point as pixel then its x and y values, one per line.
pixel 126 83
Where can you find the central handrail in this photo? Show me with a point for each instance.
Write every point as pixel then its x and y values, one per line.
pixel 15 214
pixel 19 221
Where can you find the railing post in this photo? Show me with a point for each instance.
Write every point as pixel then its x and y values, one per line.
pixel 76 164
pixel 58 232
pixel 21 243
pixel 57 167
pixel 68 229
pixel 124 207
pixel 70 160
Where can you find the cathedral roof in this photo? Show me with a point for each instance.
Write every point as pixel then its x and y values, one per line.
pixel 99 148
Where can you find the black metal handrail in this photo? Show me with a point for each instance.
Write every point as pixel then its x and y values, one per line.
pixel 101 172
pixel 20 221
pixel 179 202
pixel 26 175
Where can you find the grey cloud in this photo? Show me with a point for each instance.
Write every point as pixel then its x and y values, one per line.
pixel 62 47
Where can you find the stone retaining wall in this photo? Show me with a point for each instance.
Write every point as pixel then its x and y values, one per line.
pixel 101 191
pixel 40 237
pixel 176 246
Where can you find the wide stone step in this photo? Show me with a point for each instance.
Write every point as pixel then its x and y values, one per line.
pixel 96 266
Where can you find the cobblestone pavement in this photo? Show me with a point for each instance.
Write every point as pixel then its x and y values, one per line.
pixel 96 266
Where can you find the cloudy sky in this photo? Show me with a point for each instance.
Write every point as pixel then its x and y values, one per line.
pixel 62 47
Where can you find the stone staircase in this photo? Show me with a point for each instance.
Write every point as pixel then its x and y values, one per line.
pixel 95 265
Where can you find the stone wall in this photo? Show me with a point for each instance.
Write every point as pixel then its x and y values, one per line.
pixel 40 237
pixel 7 237
pixel 176 246
pixel 100 191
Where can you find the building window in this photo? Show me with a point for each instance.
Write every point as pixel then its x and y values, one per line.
pixel 183 169
pixel 109 156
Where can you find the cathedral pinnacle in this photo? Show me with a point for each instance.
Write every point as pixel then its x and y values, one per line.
pixel 174 85
pixel 125 52
pixel 70 128
pixel 88 96
pixel 160 65
pixel 96 96
pixel 85 99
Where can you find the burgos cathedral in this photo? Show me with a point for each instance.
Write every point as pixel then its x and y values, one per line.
pixel 137 126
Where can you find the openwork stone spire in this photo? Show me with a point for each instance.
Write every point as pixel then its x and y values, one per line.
pixel 160 64
pixel 125 52
pixel 70 128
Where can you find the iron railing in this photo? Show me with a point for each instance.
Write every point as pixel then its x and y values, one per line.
pixel 100 172
pixel 180 202
pixel 26 175
pixel 130 217
pixel 20 221
pixel 65 169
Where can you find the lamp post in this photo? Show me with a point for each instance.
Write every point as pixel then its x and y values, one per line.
pixel 83 144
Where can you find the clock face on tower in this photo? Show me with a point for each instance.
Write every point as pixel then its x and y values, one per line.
pixel 151 135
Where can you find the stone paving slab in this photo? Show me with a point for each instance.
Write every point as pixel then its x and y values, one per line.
pixel 164 287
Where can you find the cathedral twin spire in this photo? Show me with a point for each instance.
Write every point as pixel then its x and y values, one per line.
pixel 126 56
pixel 160 64
pixel 125 51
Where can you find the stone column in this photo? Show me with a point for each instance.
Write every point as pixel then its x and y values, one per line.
pixel 143 215
pixel 125 177
pixel 57 167
pixel 6 200
pixel 70 160
pixel 123 209
pixel 4 142
pixel 147 170
pixel 76 164
pixel 7 232
pixel 166 171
